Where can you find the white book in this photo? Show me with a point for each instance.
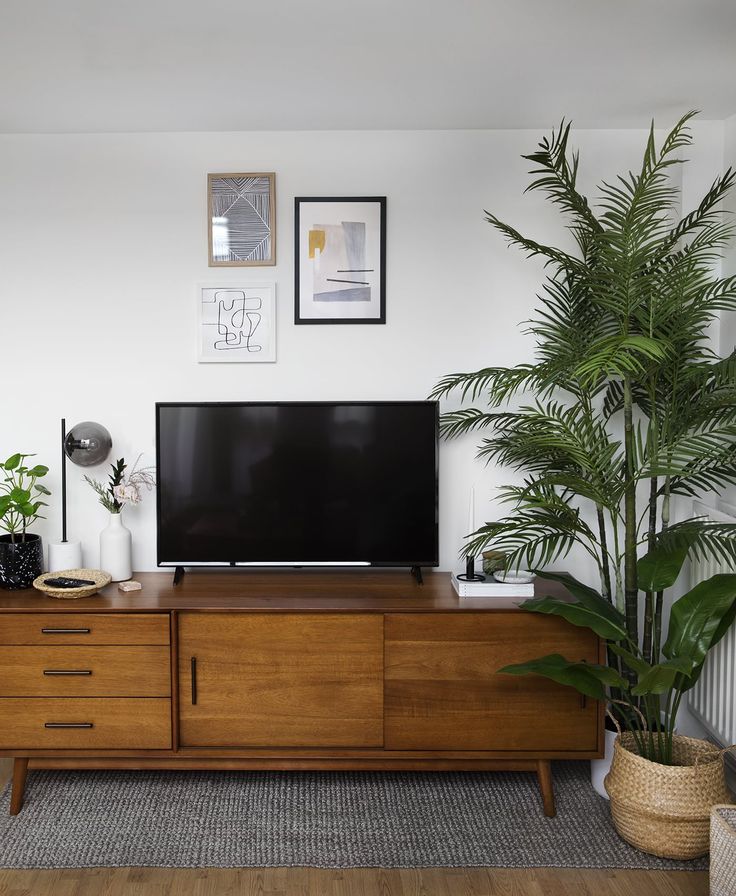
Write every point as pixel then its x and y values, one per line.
pixel 491 588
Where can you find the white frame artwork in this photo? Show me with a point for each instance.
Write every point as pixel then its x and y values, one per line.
pixel 236 323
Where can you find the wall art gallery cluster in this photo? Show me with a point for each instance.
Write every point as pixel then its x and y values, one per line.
pixel 339 265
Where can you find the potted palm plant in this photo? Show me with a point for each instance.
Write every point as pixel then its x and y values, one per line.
pixel 624 408
pixel 21 552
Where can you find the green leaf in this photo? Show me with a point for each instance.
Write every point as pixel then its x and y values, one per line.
pixel 724 625
pixel 587 678
pixel 576 614
pixel 20 495
pixel 589 599
pixel 696 618
pixel 659 568
pixel 12 462
pixel 38 470
pixel 660 678
pixel 42 490
pixel 638 665
pixel 5 502
pixel 28 509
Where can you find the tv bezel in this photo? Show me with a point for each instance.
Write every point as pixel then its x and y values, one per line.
pixel 251 564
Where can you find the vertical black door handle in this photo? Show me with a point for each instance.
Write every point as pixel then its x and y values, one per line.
pixel 194 681
pixel 583 698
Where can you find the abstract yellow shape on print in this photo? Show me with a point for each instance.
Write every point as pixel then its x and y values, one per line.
pixel 316 241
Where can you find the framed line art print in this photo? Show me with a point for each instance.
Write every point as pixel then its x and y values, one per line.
pixel 241 226
pixel 236 323
pixel 340 260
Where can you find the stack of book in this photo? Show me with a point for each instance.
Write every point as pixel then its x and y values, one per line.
pixel 501 594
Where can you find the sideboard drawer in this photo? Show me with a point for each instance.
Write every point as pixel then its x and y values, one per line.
pixel 77 671
pixel 84 628
pixel 85 723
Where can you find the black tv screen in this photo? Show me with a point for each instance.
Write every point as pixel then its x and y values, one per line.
pixel 297 483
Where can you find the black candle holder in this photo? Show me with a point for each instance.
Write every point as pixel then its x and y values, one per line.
pixel 470 575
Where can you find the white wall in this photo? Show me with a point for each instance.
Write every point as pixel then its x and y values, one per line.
pixel 103 238
pixel 728 325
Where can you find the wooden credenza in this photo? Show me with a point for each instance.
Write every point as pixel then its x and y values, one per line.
pixel 286 670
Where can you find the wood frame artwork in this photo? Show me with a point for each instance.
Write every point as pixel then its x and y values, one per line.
pixel 241 219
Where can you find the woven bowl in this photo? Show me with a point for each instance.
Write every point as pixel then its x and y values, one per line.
pixel 99 578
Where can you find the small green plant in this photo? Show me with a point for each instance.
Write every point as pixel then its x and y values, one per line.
pixel 19 495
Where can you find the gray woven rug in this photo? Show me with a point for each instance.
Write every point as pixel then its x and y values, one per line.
pixel 322 819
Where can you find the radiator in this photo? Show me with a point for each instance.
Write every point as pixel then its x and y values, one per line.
pixel 713 699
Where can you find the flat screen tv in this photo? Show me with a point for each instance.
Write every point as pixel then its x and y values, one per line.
pixel 345 483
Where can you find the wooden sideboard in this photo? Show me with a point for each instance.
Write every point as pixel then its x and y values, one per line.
pixel 286 670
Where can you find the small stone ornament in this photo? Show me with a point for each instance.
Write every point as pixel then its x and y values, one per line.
pixel 130 585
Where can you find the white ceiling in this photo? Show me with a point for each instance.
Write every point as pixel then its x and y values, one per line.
pixel 204 65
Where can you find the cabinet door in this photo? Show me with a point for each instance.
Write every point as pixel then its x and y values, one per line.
pixel 443 691
pixel 280 680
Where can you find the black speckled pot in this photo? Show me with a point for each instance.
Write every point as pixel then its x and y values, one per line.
pixel 20 561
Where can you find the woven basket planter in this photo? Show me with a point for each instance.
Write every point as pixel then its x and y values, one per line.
pixel 723 851
pixel 665 809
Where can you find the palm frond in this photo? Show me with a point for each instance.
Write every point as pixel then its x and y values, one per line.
pixel 704 540
pixel 533 248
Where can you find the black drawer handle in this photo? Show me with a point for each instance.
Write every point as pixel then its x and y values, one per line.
pixel 67 672
pixel 65 631
pixel 68 725
pixel 194 681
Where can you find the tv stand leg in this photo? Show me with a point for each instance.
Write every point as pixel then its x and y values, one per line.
pixel 544 776
pixel 20 770
pixel 416 572
pixel 179 574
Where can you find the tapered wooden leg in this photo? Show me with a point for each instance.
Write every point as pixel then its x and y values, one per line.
pixel 544 775
pixel 20 770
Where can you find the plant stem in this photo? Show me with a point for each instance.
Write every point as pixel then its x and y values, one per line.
pixel 631 590
pixel 617 565
pixel 675 709
pixel 657 646
pixel 605 567
pixel 649 596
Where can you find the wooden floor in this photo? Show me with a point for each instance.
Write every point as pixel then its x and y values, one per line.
pixel 352 882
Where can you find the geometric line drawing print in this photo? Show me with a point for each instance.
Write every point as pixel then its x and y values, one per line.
pixel 237 323
pixel 241 219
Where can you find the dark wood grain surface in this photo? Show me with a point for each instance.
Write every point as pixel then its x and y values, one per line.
pixel 300 590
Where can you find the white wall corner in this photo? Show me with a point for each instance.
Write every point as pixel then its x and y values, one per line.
pixel 728 319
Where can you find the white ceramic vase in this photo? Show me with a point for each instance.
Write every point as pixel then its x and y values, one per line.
pixel 116 549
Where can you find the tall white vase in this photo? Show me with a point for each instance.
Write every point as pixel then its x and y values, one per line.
pixel 116 549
